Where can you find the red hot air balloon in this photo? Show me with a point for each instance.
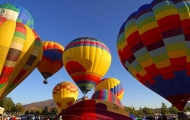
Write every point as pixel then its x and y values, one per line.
pixel 153 45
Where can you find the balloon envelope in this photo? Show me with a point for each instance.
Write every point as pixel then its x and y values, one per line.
pixel 51 61
pixel 87 60
pixel 111 84
pixel 16 13
pixel 21 50
pixel 94 110
pixel 106 95
pixel 153 45
pixel 65 94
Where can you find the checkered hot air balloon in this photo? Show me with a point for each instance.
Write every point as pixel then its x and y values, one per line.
pixel 111 84
pixel 51 61
pixel 83 59
pixel 154 46
pixel 21 50
pixel 16 13
pixel 65 94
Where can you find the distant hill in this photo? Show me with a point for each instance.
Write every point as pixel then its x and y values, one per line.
pixel 40 105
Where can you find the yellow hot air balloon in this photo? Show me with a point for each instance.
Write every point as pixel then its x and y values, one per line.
pixel 87 60
pixel 111 84
pixel 21 50
pixel 65 94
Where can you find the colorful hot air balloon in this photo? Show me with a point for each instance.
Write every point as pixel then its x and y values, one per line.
pixel 21 50
pixel 65 94
pixel 111 84
pixel 106 95
pixel 94 110
pixel 16 13
pixel 52 59
pixel 153 45
pixel 87 60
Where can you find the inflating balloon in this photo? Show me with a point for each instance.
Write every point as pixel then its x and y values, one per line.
pixel 153 45
pixel 21 51
pixel 65 94
pixel 106 95
pixel 86 60
pixel 51 60
pixel 16 13
pixel 111 84
pixel 94 110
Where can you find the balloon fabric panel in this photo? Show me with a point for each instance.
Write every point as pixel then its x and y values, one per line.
pixel 16 13
pixel 153 45
pixel 86 60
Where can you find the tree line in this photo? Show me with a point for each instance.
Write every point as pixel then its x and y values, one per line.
pixel 17 108
pixel 149 111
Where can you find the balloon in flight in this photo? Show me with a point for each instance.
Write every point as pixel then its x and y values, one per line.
pixel 153 46
pixel 65 94
pixel 51 61
pixel 16 13
pixel 111 84
pixel 21 50
pixel 86 60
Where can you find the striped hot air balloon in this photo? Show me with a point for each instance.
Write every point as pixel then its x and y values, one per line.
pixel 21 50
pixel 51 60
pixel 65 94
pixel 111 84
pixel 153 45
pixel 16 13
pixel 83 59
pixel 106 95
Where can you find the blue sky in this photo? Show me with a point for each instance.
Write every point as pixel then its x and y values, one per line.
pixel 64 20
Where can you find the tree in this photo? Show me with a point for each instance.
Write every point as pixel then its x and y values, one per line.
pixel 27 112
pixel 147 111
pixel 7 104
pixel 173 110
pixel 31 112
pixel 164 109
pixel 45 110
pixel 140 111
pixel 129 109
pixel 53 110
pixel 19 108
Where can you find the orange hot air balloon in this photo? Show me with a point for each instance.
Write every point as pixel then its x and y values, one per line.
pixel 51 60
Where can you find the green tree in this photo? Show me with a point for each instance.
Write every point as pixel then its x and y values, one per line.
pixel 27 112
pixel 31 112
pixel 129 109
pixel 164 109
pixel 19 108
pixel 53 110
pixel 140 111
pixel 7 104
pixel 45 110
pixel 173 110
pixel 147 111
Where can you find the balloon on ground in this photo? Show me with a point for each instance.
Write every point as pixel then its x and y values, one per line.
pixel 94 110
pixel 153 46
pixel 106 95
pixel 86 60
pixel 111 84
pixel 16 13
pixel 65 94
pixel 21 51
pixel 51 61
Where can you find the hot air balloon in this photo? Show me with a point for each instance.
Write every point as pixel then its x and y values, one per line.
pixel 16 13
pixel 21 50
pixel 51 60
pixel 94 110
pixel 86 60
pixel 65 94
pixel 111 84
pixel 153 46
pixel 106 95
